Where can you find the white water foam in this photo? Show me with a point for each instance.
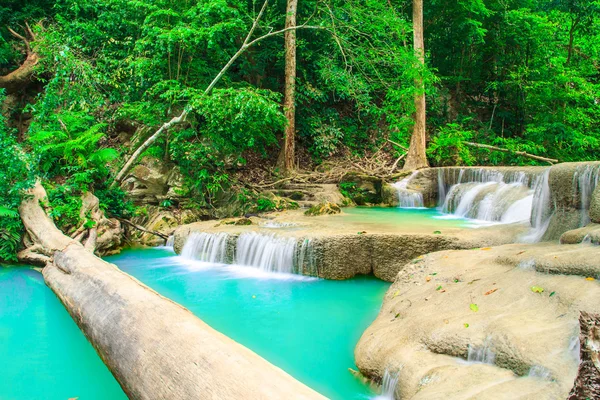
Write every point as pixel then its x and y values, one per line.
pixel 388 386
pixel 408 198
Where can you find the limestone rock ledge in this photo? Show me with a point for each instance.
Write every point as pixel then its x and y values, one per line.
pixel 508 301
pixel 341 248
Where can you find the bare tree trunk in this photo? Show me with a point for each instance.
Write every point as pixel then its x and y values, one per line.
pixel 154 347
pixel 290 87
pixel 416 154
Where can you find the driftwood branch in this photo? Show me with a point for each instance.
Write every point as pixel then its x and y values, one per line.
pixel 395 165
pixel 141 228
pixel 397 144
pixel 519 153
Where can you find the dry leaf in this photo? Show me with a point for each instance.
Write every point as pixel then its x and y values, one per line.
pixel 490 292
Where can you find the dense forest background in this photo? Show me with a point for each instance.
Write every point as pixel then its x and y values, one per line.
pixel 523 75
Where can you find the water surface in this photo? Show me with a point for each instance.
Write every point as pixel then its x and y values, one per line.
pixel 305 326
pixel 43 353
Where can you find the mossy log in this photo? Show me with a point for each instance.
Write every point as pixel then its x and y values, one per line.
pixel 154 347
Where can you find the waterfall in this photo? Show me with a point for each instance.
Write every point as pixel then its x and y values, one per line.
pixel 486 194
pixel 266 252
pixel 388 386
pixel 207 247
pixel 481 354
pixel 541 210
pixel 170 241
pixel 408 198
pixel 585 180
pixel 305 259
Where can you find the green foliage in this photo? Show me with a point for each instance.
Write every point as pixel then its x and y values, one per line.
pixel 448 148
pixel 68 143
pixel 65 205
pixel 15 177
pixel 114 203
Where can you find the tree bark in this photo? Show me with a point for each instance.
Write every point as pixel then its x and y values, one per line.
pixel 417 158
pixel 289 104
pixel 154 347
pixel 587 384
pixel 22 76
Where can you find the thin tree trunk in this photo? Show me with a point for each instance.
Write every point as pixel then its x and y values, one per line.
pixel 176 120
pixel 290 87
pixel 417 158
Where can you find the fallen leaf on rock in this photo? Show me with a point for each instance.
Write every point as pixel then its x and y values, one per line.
pixel 446 321
pixel 438 288
pixel 396 293
pixel 474 307
pixel 428 278
pixel 486 248
pixel 466 325
pixel 474 280
pixel 490 292
pixel 552 294
pixel 443 291
pixel 589 278
pixel 437 232
pixel 435 273
pixel 521 252
pixel 537 289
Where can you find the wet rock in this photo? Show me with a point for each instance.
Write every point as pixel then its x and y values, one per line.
pixel 595 206
pixel 362 189
pixel 589 233
pixel 427 325
pixel 323 209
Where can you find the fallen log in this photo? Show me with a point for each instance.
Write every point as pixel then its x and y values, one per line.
pixel 519 153
pixel 155 348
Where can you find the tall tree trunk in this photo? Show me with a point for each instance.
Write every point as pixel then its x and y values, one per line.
pixel 416 153
pixel 290 87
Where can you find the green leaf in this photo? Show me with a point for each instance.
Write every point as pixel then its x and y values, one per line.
pixel 474 307
pixel 537 289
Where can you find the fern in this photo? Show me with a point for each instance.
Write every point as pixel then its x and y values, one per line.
pixel 8 213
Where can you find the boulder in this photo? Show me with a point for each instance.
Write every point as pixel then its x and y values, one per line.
pixel 483 324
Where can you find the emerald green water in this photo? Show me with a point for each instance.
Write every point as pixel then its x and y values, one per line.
pixel 427 219
pixel 43 353
pixel 306 327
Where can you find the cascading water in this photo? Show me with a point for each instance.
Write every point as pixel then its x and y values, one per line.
pixel 541 211
pixel 170 241
pixel 486 195
pixel 207 247
pixel 266 252
pixel 481 354
pixel 388 386
pixel 585 180
pixel 408 198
